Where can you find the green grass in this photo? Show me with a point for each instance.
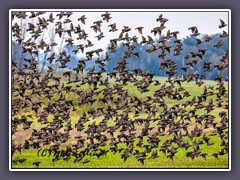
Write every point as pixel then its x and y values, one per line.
pixel 114 160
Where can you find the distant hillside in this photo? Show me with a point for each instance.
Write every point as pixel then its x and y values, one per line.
pixel 148 61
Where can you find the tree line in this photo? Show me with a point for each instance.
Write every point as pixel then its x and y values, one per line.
pixel 148 62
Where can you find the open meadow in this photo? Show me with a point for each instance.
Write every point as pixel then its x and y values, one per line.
pixel 113 159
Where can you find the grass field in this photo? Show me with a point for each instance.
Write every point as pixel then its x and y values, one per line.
pixel 114 160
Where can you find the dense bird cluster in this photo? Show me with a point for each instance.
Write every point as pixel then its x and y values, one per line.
pixel 111 115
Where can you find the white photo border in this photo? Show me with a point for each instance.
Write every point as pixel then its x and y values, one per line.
pixel 122 10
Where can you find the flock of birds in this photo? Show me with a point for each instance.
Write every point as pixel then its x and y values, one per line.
pixel 139 120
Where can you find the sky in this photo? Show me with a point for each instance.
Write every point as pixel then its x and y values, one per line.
pixel 206 22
